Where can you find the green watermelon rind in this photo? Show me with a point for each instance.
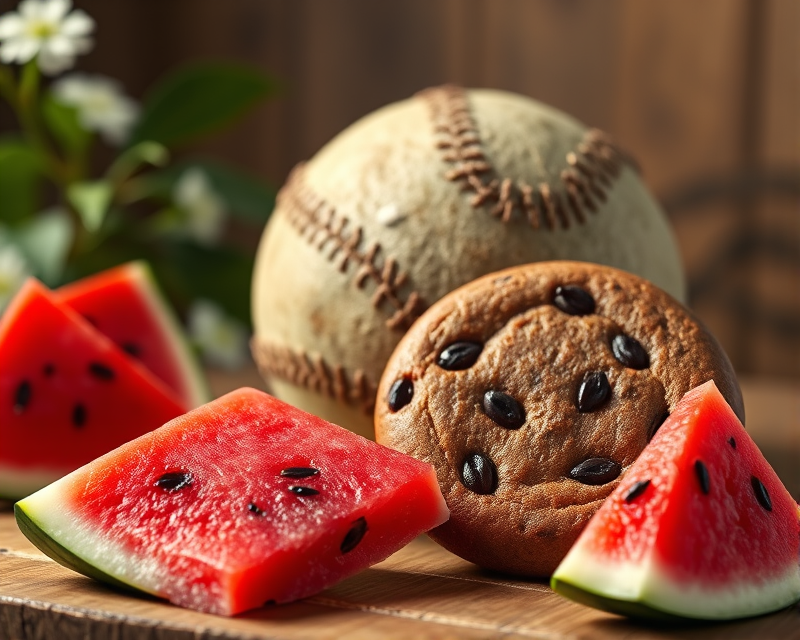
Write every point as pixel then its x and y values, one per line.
pixel 630 608
pixel 33 532
pixel 191 371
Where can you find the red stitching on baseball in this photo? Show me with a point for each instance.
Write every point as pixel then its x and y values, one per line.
pixel 318 222
pixel 591 170
pixel 311 371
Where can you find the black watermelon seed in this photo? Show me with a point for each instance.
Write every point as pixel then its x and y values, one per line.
pixel 354 535
pixel 101 371
pixel 299 472
pixel 174 480
pixel 400 394
pixel 656 425
pixel 762 495
pixel 479 474
pixel 303 491
pixel 459 355
pixel 596 471
pixel 701 472
pixel 79 415
pixel 49 369
pixel 732 442
pixel 629 352
pixel 636 490
pixel 594 391
pixel 503 409
pixel 574 300
pixel 22 396
pixel 255 509
pixel 270 603
pixel 132 349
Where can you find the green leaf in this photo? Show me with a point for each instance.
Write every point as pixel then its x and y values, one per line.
pixel 190 271
pixel 197 100
pixel 21 171
pixel 62 121
pixel 46 241
pixel 244 196
pixel 130 160
pixel 91 200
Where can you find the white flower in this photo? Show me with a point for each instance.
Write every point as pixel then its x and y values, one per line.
pixel 204 209
pixel 45 30
pixel 221 339
pixel 13 272
pixel 101 105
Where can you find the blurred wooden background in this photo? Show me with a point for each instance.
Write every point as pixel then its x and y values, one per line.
pixel 705 93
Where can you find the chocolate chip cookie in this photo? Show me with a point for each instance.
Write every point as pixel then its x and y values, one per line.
pixel 531 391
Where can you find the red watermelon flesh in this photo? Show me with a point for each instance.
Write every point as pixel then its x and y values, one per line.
pixel 67 393
pixel 240 502
pixel 700 527
pixel 124 304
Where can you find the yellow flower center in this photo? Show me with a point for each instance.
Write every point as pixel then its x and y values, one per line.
pixel 41 29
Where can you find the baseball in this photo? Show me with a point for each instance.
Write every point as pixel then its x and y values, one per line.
pixel 417 199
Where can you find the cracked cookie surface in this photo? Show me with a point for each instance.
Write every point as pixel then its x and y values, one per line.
pixel 531 391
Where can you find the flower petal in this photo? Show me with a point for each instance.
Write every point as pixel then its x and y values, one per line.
pixel 54 10
pixel 11 25
pixel 51 65
pixel 20 50
pixel 77 23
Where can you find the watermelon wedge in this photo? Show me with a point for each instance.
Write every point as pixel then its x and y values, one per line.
pixel 67 393
pixel 700 527
pixel 125 304
pixel 240 502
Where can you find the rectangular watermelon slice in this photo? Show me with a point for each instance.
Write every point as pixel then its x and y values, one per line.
pixel 240 502
pixel 67 393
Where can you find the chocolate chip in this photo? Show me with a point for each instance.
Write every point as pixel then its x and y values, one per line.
pixel 762 495
pixel 303 491
pixel 629 352
pixel 299 472
pixel 459 355
pixel 22 396
pixel 478 474
pixel 503 409
pixel 594 391
pixel 636 490
pixel 101 371
pixel 174 480
pixel 732 442
pixel 596 471
pixel 574 300
pixel 354 535
pixel 702 476
pixel 79 415
pixel 400 394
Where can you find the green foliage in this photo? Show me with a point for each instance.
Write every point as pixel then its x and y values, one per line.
pixel 46 241
pixel 63 123
pixel 91 200
pixel 199 100
pixel 245 196
pixel 21 172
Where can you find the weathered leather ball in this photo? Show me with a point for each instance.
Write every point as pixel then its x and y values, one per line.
pixel 417 199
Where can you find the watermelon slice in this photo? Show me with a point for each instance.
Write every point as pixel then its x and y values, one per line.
pixel 67 393
pixel 701 526
pixel 125 304
pixel 240 502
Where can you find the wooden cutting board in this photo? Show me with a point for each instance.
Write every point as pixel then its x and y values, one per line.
pixel 420 592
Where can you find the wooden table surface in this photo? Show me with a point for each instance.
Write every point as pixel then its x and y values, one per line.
pixel 421 592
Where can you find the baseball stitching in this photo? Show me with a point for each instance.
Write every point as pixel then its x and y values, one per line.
pixel 310 371
pixel 318 222
pixel 592 168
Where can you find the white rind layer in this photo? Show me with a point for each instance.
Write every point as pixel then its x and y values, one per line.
pixel 649 583
pixel 196 389
pixel 19 481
